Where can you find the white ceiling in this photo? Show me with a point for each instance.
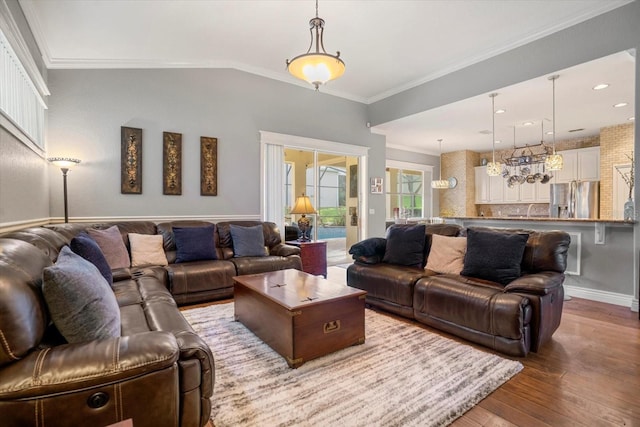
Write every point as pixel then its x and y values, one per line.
pixel 387 46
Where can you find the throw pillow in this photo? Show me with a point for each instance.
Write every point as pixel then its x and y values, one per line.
pixel 82 305
pixel 147 249
pixel 88 249
pixel 195 243
pixel 112 246
pixel 447 254
pixel 247 241
pixel 493 255
pixel 405 245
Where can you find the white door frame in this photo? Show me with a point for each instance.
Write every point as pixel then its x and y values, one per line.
pixel 271 195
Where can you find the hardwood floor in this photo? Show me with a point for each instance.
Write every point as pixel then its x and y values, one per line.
pixel 588 375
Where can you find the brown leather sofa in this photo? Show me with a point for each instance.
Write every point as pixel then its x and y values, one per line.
pixel 159 372
pixel 514 319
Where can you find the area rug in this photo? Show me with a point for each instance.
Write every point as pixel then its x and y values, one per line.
pixel 403 375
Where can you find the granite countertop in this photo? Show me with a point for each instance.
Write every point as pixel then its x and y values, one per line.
pixel 540 219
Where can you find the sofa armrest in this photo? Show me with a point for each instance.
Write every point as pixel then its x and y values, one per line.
pixel 282 249
pixel 70 367
pixel 541 283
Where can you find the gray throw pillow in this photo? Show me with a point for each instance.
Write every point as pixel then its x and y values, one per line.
pixel 247 241
pixel 112 246
pixel 81 303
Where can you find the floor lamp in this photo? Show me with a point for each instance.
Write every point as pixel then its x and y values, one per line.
pixel 64 163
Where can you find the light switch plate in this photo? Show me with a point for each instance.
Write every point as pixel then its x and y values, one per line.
pixel 372 211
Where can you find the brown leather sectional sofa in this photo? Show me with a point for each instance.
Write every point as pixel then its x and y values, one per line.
pixel 514 318
pixel 159 372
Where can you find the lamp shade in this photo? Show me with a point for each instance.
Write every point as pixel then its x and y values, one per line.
pixel 316 68
pixel 63 162
pixel 494 168
pixel 440 184
pixel 303 206
pixel 554 162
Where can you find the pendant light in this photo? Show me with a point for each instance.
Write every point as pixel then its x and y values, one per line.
pixel 440 184
pixel 316 67
pixel 493 168
pixel 554 162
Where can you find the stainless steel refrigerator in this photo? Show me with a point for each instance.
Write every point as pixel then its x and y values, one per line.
pixel 576 199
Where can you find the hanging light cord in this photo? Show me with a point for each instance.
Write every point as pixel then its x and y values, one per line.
pixel 440 141
pixel 493 124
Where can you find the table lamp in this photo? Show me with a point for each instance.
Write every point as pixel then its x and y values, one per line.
pixel 303 207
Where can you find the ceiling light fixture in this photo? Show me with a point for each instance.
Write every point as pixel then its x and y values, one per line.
pixel 493 168
pixel 316 67
pixel 527 124
pixel 554 162
pixel 501 111
pixel 601 86
pixel 620 104
pixel 631 119
pixel 440 184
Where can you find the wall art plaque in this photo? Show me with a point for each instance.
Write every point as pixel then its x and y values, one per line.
pixel 130 160
pixel 171 163
pixel 208 166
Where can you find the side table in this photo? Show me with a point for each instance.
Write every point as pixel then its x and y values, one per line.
pixel 314 256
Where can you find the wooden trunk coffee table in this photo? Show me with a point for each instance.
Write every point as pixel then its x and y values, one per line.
pixel 300 316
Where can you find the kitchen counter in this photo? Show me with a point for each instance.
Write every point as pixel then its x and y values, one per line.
pixel 539 219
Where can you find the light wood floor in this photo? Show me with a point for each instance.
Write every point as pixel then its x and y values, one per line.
pixel 588 375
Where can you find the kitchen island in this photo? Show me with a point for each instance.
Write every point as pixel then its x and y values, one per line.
pixel 601 264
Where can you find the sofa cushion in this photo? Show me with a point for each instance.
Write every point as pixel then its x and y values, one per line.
pixel 82 305
pixel 195 243
pixel 405 245
pixel 112 246
pixel 88 249
pixel 247 241
pixel 494 256
pixel 146 249
pixel 447 254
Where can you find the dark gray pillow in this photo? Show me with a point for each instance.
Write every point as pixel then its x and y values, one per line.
pixel 82 305
pixel 247 241
pixel 405 245
pixel 494 255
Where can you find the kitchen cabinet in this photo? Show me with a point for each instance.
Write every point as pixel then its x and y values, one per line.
pixel 482 185
pixel 581 164
pixel 494 189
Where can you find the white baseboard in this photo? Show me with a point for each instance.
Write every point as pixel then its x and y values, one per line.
pixel 602 296
pixel 7 227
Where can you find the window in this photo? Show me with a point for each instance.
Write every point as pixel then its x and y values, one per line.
pixel 405 191
pixel 22 107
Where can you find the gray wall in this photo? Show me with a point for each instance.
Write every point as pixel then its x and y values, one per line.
pixel 88 107
pixel 24 186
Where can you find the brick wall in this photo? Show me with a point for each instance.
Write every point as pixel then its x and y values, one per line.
pixel 615 142
pixel 459 201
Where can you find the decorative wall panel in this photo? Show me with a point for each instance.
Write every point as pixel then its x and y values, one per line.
pixel 130 160
pixel 208 166
pixel 171 163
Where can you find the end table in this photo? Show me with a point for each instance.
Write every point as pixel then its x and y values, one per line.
pixel 313 254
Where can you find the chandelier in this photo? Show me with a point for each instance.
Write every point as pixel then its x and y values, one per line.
pixel 316 67
pixel 440 184
pixel 554 162
pixel 493 168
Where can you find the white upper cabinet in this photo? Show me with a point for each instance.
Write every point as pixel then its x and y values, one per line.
pixel 482 185
pixel 582 164
pixel 589 164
